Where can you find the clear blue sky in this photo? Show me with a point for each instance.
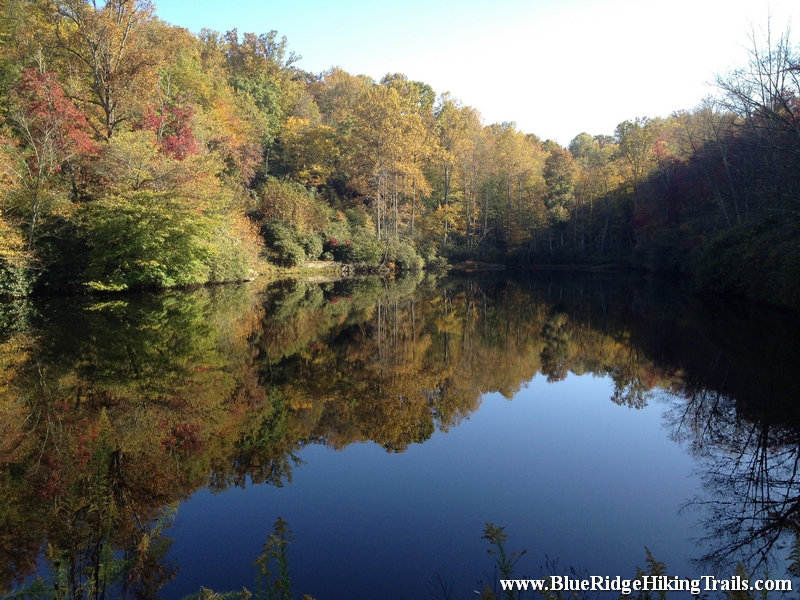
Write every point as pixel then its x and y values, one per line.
pixel 557 68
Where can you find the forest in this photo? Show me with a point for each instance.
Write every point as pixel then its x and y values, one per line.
pixel 135 154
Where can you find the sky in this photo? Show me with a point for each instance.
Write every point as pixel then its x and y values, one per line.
pixel 556 68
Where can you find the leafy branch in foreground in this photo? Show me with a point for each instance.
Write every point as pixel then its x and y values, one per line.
pixel 268 585
pixel 274 549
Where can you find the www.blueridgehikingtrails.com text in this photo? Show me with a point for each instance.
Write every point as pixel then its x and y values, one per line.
pixel 647 583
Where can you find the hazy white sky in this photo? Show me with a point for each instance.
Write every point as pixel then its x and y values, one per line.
pixel 557 68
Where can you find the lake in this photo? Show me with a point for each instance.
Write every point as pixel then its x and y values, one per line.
pixel 150 442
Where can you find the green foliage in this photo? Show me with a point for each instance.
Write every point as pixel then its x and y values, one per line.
pixel 403 255
pixel 312 244
pixel 433 261
pixel 285 243
pixel 15 273
pixel 558 176
pixel 292 219
pixel 760 261
pixel 505 561
pixel 349 238
pixel 262 453
pixel 15 279
pixel 146 239
pixel 344 162
pixel 274 551
pixel 292 204
pixel 265 94
pixel 336 234
pixel 654 568
pixel 430 254
pixel 363 249
pixel 234 250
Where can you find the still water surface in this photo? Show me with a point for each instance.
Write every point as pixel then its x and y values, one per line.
pixel 387 422
pixel 565 470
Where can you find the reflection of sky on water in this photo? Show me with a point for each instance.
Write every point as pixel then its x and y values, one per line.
pixel 567 472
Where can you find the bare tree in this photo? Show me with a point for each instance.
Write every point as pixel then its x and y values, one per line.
pixel 765 93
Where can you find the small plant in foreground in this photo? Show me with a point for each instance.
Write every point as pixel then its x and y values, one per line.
pixel 504 561
pixel 274 549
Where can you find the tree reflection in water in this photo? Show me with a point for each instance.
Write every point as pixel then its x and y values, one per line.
pixel 751 479
pixel 736 411
pixel 115 410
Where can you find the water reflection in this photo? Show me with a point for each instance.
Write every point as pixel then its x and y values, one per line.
pixel 750 478
pixel 114 410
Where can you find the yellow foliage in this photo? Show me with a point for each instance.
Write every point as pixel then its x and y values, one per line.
pixel 308 150
pixel 12 244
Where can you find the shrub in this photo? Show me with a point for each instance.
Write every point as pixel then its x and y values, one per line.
pixel 336 233
pixel 146 239
pixel 15 276
pixel 404 255
pixel 285 243
pixel 291 202
pixel 760 261
pixel 235 248
pixel 15 280
pixel 312 243
pixel 363 250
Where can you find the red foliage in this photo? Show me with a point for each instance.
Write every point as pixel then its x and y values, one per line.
pixel 50 122
pixel 49 479
pixel 174 131
pixel 183 437
pixel 661 151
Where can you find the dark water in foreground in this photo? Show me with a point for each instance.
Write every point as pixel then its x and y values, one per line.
pixel 150 442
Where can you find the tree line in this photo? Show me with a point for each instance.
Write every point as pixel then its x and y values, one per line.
pixel 134 154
